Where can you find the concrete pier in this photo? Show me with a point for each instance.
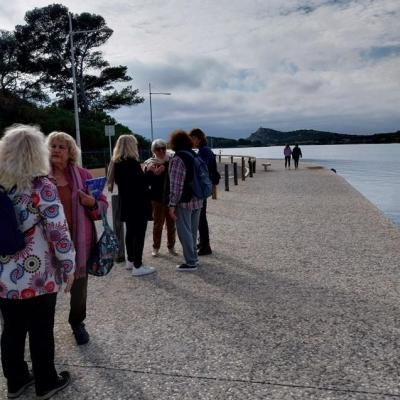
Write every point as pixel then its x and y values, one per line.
pixel 300 300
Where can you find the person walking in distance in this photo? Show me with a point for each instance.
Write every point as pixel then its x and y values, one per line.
pixel 287 152
pixel 296 154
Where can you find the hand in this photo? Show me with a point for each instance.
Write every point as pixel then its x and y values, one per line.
pixel 172 214
pixel 159 169
pixel 68 283
pixel 86 199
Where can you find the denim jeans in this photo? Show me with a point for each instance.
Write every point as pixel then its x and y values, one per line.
pixel 187 224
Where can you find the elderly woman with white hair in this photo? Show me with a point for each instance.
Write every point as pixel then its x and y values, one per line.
pixel 81 209
pixel 133 190
pixel 31 277
pixel 156 168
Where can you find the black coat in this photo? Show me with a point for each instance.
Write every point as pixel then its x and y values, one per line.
pixel 159 185
pixel 133 189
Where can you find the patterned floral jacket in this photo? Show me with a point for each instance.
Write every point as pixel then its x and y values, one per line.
pixel 49 253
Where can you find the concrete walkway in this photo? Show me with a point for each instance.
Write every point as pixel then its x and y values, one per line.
pixel 300 300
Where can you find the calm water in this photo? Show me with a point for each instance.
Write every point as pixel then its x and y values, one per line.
pixel 373 169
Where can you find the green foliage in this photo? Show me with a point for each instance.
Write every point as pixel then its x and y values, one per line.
pixel 218 142
pixel 15 110
pixel 44 53
pixel 35 66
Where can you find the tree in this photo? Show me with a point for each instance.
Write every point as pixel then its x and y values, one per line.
pixel 45 50
pixel 12 80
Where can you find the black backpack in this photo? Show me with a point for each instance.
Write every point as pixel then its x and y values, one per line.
pixel 12 239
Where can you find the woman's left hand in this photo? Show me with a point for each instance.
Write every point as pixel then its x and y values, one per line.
pixel 86 199
pixel 159 169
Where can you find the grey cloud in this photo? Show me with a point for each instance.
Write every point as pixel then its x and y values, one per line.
pixel 197 73
pixel 308 7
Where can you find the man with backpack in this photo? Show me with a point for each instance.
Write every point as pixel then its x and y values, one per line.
pixel 199 141
pixel 189 186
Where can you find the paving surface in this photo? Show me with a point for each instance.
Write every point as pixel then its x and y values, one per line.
pixel 300 300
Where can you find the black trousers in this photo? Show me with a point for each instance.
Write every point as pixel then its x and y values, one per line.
pixel 287 161
pixel 296 162
pixel 204 234
pixel 77 312
pixel 134 240
pixel 35 317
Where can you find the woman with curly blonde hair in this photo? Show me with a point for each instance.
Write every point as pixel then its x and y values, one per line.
pixel 31 278
pixel 133 190
pixel 81 209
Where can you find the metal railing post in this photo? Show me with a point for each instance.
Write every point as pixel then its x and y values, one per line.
pixel 235 174
pixel 226 177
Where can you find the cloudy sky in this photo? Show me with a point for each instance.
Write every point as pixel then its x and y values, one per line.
pixel 235 65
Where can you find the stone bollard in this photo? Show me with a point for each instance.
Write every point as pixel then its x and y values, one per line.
pixel 243 169
pixel 250 168
pixel 235 175
pixel 226 177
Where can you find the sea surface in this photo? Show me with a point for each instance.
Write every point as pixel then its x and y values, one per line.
pixel 373 169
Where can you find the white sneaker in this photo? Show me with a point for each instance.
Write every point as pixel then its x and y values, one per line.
pixel 172 251
pixel 155 252
pixel 129 265
pixel 143 270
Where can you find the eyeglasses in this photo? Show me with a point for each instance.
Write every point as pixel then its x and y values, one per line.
pixel 161 148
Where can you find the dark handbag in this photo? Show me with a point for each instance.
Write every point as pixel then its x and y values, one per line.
pixel 102 255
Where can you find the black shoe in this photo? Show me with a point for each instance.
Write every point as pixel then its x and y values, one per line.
pixel 204 251
pixel 63 380
pixel 81 334
pixel 185 267
pixel 15 392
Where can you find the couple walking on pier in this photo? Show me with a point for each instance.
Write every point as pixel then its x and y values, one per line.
pixel 296 154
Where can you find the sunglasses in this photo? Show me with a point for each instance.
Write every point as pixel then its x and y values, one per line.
pixel 161 148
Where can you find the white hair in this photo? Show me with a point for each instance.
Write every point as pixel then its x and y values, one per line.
pixel 24 156
pixel 156 143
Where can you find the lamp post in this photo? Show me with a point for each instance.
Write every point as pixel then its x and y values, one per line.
pixel 151 109
pixel 76 110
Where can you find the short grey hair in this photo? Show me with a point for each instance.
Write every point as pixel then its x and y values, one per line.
pixel 157 143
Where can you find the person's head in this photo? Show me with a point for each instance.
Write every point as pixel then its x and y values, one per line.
pixel 159 149
pixel 24 156
pixel 179 140
pixel 198 137
pixel 287 146
pixel 63 149
pixel 126 147
pixel 296 145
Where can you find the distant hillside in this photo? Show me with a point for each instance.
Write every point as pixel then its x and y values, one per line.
pixel 271 137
